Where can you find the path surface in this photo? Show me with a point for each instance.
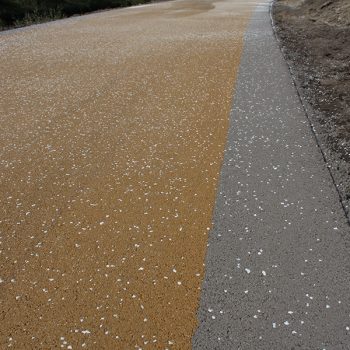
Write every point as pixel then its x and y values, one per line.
pixel 114 155
pixel 278 267
pixel 113 127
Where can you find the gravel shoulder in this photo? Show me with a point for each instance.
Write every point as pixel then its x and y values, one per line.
pixel 315 38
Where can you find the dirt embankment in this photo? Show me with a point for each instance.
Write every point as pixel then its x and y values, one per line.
pixel 315 36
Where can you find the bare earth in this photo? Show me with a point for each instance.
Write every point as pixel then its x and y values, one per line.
pixel 113 127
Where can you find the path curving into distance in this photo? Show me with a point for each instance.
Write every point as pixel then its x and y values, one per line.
pixel 113 127
pixel 118 150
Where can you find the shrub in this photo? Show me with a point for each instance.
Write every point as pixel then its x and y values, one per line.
pixel 24 12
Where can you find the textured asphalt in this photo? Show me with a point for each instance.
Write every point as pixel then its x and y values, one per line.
pixel 113 134
pixel 113 129
pixel 277 266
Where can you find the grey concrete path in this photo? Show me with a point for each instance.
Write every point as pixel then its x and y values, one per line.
pixel 277 267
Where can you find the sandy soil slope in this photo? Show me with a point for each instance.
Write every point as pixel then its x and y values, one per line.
pixel 315 35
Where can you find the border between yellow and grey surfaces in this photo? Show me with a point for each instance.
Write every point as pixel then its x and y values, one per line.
pixel 309 112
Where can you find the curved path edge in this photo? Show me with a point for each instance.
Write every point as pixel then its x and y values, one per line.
pixel 277 265
pixel 319 135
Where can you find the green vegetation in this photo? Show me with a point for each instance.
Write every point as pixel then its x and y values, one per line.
pixel 16 13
